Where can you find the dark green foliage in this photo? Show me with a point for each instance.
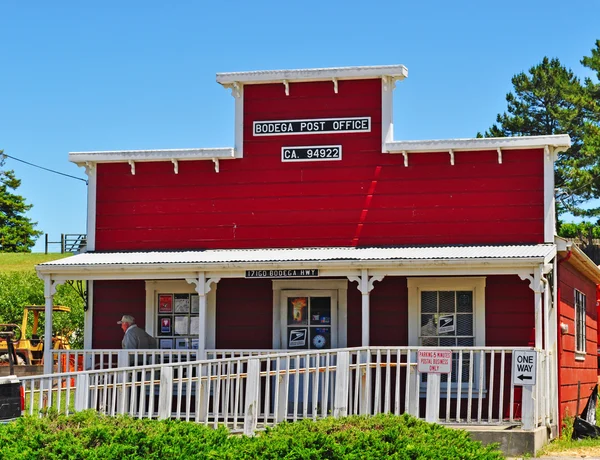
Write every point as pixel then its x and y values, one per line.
pixel 89 436
pixel 18 289
pixel 581 230
pixel 17 232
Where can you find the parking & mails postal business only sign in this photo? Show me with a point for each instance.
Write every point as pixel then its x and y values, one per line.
pixel 434 361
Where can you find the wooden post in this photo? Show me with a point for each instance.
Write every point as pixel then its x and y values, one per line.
pixel 413 386
pixel 46 245
pixel 82 392
pixel 340 405
pixel 165 395
pixel 62 243
pixel 528 408
pixel 251 406
pixel 432 404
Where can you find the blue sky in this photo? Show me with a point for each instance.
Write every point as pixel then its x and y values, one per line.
pixel 120 75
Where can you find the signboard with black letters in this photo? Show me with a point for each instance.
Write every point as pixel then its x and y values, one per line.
pixel 312 153
pixel 285 273
pixel 312 126
pixel 524 367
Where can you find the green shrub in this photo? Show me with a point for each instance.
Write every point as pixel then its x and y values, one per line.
pixel 86 435
pixel 20 288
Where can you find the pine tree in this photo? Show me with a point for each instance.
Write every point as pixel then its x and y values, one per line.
pixel 550 99
pixel 17 232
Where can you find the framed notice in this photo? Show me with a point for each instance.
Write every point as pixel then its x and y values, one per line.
pixel 195 300
pixel 166 344
pixel 165 325
pixel 182 303
pixel 195 343
pixel 165 303
pixel 181 344
pixel 182 325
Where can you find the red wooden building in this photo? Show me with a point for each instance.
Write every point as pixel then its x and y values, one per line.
pixel 319 231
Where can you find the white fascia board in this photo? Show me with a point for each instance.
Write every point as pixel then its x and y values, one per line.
pixel 397 72
pixel 176 271
pixel 488 143
pixel 119 156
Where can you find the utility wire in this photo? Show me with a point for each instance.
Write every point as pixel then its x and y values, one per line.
pixel 45 169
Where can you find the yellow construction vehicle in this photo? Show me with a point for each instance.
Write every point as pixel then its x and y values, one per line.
pixel 30 347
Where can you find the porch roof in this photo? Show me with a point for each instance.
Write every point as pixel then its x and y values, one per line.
pixel 85 265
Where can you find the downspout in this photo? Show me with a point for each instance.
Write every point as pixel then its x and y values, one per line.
pixel 544 281
pixel 560 339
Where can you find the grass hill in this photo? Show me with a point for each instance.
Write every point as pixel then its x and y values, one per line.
pixel 19 262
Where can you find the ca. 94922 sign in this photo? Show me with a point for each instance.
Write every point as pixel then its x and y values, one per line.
pixel 312 153
pixel 312 126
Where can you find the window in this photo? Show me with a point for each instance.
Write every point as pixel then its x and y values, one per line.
pixel 310 319
pixel 580 316
pixel 172 307
pixel 448 312
pixel 177 323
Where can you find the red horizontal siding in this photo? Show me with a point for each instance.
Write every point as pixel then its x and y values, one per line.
pixel 573 370
pixel 367 198
pixel 388 312
pixel 509 312
pixel 244 314
pixel 113 299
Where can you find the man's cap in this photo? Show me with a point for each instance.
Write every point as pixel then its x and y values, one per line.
pixel 127 319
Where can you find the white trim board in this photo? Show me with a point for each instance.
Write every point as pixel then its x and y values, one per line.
pixel 398 72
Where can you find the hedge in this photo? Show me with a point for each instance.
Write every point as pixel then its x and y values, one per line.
pixel 87 435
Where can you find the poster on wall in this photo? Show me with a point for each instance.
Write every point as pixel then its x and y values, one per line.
pixel 166 344
pixel 195 343
pixel 297 338
pixel 182 303
pixel 182 324
pixel 194 325
pixel 181 344
pixel 195 303
pixel 165 303
pixel 297 310
pixel 165 325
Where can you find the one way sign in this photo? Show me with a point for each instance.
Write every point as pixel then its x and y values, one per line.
pixel 524 367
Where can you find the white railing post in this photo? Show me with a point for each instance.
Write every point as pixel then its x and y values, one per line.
pixel 413 387
pixel 432 403
pixel 165 394
pixel 283 382
pixel 340 405
pixel 251 406
pixel 123 358
pixel 82 392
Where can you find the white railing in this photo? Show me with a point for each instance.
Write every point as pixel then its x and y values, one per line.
pixel 80 360
pixel 249 389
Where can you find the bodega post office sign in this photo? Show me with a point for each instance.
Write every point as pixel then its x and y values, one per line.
pixel 312 126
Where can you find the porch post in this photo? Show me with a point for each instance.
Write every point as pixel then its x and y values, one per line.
pixel 203 287
pixel 365 286
pixel 538 289
pixel 49 290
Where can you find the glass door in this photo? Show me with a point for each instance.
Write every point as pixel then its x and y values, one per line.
pixel 309 319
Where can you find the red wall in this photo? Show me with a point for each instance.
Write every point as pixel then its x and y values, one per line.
pixel 367 198
pixel 244 314
pixel 112 300
pixel 571 370
pixel 509 312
